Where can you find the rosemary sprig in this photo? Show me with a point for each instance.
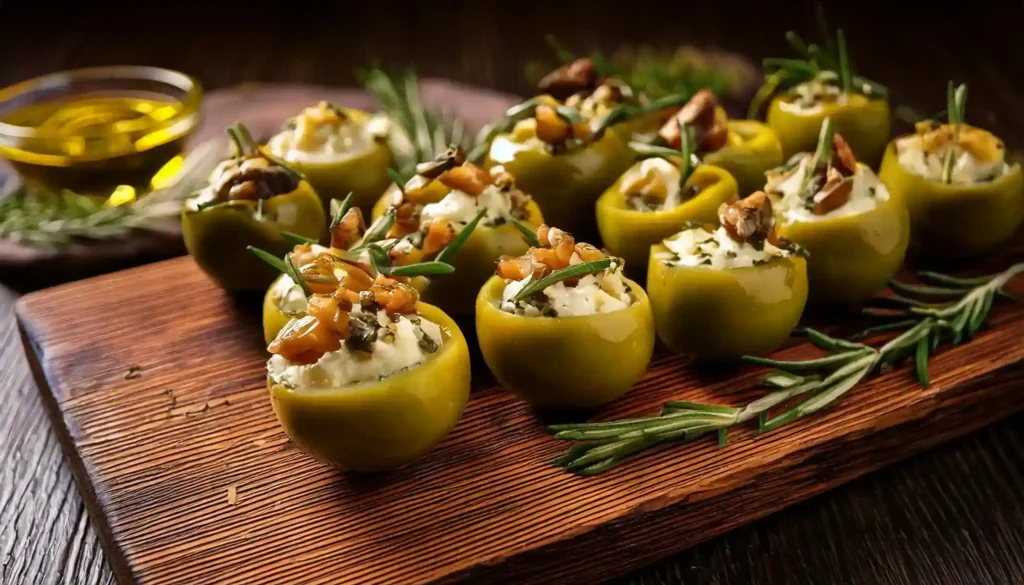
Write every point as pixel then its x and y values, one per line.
pixel 377 231
pixel 420 269
pixel 417 133
pixel 339 208
pixel 296 239
pixel 529 235
pixel 686 149
pixel 822 154
pixel 459 240
pixel 562 274
pixel 956 104
pixel 814 384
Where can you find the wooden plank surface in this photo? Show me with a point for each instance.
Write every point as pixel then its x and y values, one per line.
pixel 155 455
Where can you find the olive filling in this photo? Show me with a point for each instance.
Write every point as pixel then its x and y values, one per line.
pixel 472 191
pixel 562 278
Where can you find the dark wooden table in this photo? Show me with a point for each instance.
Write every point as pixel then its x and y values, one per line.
pixel 951 516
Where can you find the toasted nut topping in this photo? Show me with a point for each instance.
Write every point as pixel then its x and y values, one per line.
pixel 551 128
pixel 468 178
pixel 834 194
pixel 843 161
pixel 349 230
pixel 749 220
pixel 575 77
pixel 700 114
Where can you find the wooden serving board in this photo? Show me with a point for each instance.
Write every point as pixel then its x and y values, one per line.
pixel 154 378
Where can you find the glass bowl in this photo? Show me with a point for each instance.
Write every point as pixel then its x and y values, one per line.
pixel 90 130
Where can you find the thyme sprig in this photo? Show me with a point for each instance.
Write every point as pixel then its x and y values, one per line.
pixel 812 384
pixel 688 159
pixel 956 107
pixel 830 64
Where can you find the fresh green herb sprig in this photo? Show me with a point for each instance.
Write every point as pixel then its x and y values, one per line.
pixel 822 155
pixel 827 64
pixel 563 274
pixel 417 133
pixel 688 159
pixel 813 384
pixel 956 106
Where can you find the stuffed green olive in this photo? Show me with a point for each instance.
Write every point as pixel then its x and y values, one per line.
pixel 855 229
pixel 719 293
pixel 561 327
pixel 251 200
pixel 368 379
pixel 963 196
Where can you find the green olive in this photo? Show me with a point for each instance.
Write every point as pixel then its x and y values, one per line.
pixel 629 233
pixel 864 123
pixel 217 235
pixel 565 362
pixel 852 257
pixel 715 314
pixel 456 293
pixel 754 150
pixel 956 221
pixel 382 424
pixel 363 174
pixel 567 185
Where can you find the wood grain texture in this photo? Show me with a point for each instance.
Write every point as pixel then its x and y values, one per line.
pixel 156 455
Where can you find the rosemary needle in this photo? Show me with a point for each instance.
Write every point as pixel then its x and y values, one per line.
pixel 813 384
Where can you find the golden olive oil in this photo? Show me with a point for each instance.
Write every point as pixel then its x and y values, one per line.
pixel 92 144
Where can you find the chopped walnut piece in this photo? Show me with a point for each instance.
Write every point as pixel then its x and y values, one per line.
pixel 749 220
pixel 701 114
pixel 834 194
pixel 575 77
pixel 843 161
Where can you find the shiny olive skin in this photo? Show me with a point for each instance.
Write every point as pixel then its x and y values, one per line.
pixel 456 293
pixel 382 424
pixel 756 150
pixel 274 318
pixel 864 122
pixel 724 314
pixel 854 256
pixel 629 233
pixel 217 235
pixel 364 174
pixel 565 362
pixel 565 186
pixel 949 222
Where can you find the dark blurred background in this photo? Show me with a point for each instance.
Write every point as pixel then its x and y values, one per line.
pixel 913 47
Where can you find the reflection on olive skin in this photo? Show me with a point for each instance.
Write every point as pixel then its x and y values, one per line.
pixel 724 314
pixel 565 362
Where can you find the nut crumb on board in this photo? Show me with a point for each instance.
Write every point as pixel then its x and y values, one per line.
pixel 232 495
pixel 133 373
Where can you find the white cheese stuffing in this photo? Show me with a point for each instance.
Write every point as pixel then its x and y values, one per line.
pixel 931 165
pixel 317 136
pixel 460 208
pixel 656 169
pixel 288 296
pixel 715 250
pixel 866 194
pixel 400 345
pixel 596 293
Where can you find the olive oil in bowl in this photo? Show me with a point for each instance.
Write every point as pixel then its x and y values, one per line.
pixel 94 129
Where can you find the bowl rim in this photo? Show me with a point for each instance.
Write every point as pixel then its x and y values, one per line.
pixel 190 102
